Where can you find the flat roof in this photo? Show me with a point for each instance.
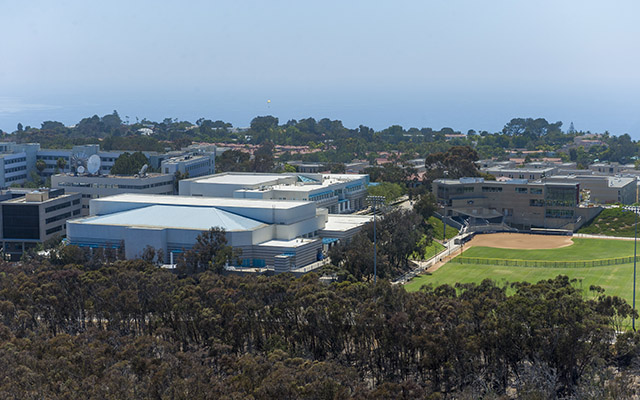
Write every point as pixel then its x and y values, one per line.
pixel 241 179
pixel 287 243
pixel 200 201
pixel 519 170
pixel 510 182
pixel 613 181
pixel 343 223
pixel 23 199
pixel 80 177
pixel 179 217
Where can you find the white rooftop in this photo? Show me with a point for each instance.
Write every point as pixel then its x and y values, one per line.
pixel 287 243
pixel 240 179
pixel 202 201
pixel 180 217
pixel 342 222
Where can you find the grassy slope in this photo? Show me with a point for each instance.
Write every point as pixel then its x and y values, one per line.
pixel 615 279
pixel 427 251
pixel 438 227
pixel 611 222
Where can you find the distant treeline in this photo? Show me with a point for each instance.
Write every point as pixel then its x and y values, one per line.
pixel 340 144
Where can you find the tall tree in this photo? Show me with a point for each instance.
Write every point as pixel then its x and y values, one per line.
pixel 263 159
pixel 456 162
pixel 129 164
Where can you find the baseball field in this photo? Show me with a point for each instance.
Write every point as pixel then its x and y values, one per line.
pixel 514 257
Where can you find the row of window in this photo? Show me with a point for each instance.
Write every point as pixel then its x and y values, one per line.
pixel 15 169
pixel 353 188
pixel 55 158
pixel 66 158
pixel 198 166
pixel 16 178
pixel 14 160
pixel 522 176
pixel 57 218
pixel 564 214
pixel 54 229
pixel 57 207
pixel 321 196
pixel 114 186
pixel 550 203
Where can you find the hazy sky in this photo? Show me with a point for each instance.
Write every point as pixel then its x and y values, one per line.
pixel 466 64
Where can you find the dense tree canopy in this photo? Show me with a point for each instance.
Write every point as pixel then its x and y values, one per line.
pixel 131 330
pixel 129 164
pixel 456 162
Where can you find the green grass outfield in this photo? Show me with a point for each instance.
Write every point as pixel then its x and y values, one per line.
pixel 615 279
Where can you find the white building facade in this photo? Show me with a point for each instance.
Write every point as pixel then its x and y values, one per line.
pixel 338 193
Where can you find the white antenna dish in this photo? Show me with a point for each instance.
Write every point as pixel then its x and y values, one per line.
pixel 78 160
pixel 93 164
pixel 143 170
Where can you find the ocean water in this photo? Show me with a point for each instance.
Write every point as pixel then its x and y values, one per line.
pixel 460 110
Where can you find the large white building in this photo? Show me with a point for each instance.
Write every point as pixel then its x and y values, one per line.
pixel 339 193
pixel 97 186
pixel 282 235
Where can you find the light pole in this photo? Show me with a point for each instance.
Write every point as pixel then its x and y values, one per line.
pixel 374 201
pixel 635 246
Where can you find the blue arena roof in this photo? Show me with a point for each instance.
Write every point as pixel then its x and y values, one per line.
pixel 161 216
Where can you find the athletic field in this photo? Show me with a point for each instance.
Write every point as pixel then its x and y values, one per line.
pixel 615 279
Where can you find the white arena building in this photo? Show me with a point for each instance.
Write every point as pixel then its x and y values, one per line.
pixel 283 235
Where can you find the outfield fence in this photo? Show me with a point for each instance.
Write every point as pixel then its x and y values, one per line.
pixel 543 263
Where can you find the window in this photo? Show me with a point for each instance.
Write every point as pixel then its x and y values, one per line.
pixel 57 207
pixel 563 214
pixel 57 218
pixel 536 203
pixel 52 230
pixel 535 191
pixel 521 190
pixel 21 222
pixel 561 196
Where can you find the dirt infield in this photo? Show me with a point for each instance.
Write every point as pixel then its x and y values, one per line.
pixel 520 241
pixel 508 241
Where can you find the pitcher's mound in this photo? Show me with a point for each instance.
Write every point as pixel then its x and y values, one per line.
pixel 520 241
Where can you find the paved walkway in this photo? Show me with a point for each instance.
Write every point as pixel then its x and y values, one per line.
pixel 587 236
pixel 432 264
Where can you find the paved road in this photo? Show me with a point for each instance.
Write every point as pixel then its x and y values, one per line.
pixel 432 264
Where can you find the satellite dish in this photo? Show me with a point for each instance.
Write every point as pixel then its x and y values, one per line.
pixel 78 160
pixel 143 170
pixel 93 164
